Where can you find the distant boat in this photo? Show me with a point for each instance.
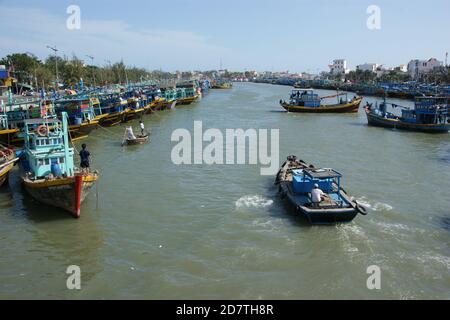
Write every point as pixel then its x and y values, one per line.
pixel 49 175
pixel 221 84
pixel 305 100
pixel 430 114
pixel 296 179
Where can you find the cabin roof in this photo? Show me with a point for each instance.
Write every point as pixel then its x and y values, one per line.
pixel 37 121
pixel 322 173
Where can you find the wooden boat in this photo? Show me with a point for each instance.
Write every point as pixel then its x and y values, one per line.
pixel 305 100
pixel 188 92
pixel 140 139
pixel 8 136
pixel 81 115
pixel 134 111
pixel 430 115
pixel 296 180
pixel 221 84
pixel 113 109
pixel 49 175
pixel 186 100
pixel 7 162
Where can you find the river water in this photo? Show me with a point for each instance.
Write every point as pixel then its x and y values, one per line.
pixel 155 230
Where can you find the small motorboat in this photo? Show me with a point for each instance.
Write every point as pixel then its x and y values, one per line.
pixel 296 180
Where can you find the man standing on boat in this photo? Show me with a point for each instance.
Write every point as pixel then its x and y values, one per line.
pixel 142 128
pixel 85 159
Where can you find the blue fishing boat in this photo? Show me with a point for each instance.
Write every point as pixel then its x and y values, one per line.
pixel 113 107
pixel 297 179
pixel 81 115
pixel 49 174
pixel 430 114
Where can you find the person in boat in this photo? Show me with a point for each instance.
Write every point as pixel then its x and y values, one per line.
pixel 85 156
pixel 130 134
pixel 141 124
pixel 317 196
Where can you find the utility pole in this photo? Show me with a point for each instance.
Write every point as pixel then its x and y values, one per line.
pixel 35 75
pixel 92 65
pixel 56 63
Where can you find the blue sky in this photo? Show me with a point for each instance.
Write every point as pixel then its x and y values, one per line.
pixel 294 35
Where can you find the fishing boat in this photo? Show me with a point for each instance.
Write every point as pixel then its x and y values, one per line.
pixel 305 100
pixel 7 161
pixel 81 116
pixel 113 106
pixel 135 109
pixel 7 134
pixel 49 174
pixel 187 92
pixel 296 180
pixel 12 116
pixel 221 84
pixel 430 115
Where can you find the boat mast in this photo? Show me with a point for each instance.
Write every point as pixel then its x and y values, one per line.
pixel 66 143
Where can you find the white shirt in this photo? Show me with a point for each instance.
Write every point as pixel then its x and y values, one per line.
pixel 316 195
pixel 130 134
pixel 142 126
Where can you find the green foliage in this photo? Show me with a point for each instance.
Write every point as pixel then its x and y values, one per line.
pixel 27 68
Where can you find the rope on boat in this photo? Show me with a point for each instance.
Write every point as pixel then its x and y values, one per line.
pixel 109 131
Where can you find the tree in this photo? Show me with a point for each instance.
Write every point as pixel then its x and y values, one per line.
pixel 23 66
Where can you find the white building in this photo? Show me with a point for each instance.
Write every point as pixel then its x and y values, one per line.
pixel 372 67
pixel 339 66
pixel 402 68
pixel 416 68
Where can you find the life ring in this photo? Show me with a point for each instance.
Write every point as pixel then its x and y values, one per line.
pixel 361 209
pixel 42 130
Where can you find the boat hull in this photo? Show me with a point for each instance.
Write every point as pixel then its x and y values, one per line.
pixel 65 193
pixel 132 114
pixel 138 140
pixel 82 130
pixel 317 216
pixel 378 121
pixel 112 119
pixel 324 213
pixel 351 107
pixel 186 101
pixel 4 173
pixel 8 136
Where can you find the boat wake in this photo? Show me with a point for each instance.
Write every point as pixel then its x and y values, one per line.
pixel 253 201
pixel 374 205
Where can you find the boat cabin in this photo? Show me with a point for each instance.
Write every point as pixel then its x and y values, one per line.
pixel 329 181
pixel 46 148
pixel 428 110
pixel 304 98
